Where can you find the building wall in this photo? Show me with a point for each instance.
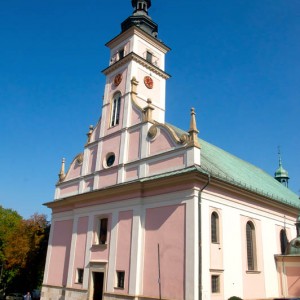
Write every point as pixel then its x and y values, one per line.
pixel 164 252
pixel 164 223
pixel 229 257
pixel 288 268
pixel 60 252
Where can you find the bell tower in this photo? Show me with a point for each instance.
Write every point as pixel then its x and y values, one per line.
pixel 136 72
pixel 281 174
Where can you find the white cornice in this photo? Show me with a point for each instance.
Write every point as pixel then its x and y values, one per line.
pixel 134 57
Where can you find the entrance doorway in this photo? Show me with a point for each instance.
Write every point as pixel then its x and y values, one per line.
pixel 98 280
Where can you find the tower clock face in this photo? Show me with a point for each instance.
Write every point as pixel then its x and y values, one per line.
pixel 117 79
pixel 148 82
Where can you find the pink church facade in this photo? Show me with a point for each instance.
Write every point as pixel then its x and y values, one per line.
pixel 148 211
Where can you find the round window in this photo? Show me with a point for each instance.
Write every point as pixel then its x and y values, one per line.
pixel 110 159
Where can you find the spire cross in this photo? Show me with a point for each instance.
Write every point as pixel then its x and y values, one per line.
pixel 279 155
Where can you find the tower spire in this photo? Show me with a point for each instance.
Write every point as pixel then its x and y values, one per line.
pixel 140 18
pixel 281 174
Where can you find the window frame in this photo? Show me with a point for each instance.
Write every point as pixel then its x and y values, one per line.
pixel 149 56
pixel 120 279
pixel 215 285
pixel 115 109
pixel 251 248
pixel 79 275
pixel 101 229
pixel 215 228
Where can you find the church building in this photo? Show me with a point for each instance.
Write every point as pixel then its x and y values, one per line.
pixel 151 211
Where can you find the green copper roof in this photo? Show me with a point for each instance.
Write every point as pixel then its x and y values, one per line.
pixel 225 166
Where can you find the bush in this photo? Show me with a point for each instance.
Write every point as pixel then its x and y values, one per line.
pixel 235 298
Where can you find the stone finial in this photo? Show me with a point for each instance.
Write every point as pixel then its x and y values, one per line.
pixel 89 134
pixel 193 131
pixel 62 174
pixel 148 111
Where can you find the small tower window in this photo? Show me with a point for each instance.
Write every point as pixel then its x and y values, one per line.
pixel 121 53
pixel 149 57
pixel 251 247
pixel 115 110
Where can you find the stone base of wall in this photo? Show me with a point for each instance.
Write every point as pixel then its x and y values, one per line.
pixel 60 293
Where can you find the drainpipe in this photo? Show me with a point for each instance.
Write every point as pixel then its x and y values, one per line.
pixel 200 234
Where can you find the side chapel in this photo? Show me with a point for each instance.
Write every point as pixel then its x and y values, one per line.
pixel 150 211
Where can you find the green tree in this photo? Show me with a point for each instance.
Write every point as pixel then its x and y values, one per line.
pixel 9 221
pixel 23 250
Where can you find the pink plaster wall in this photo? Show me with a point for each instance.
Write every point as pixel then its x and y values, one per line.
pixel 74 170
pixel 82 229
pixel 70 189
pixel 92 159
pixel 165 226
pixel 89 184
pixel 132 173
pixel 293 280
pixel 216 249
pixel 250 278
pixel 96 132
pixel 124 247
pixel 60 254
pixel 280 284
pixel 161 143
pixel 108 177
pixel 111 145
pixel 134 142
pixel 136 116
pixel 167 164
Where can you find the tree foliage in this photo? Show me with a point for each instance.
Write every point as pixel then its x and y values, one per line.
pixel 23 247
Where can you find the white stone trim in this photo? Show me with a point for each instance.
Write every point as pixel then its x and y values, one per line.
pixel 137 251
pixel 192 249
pixel 89 242
pixel 72 252
pixel 49 253
pixel 112 252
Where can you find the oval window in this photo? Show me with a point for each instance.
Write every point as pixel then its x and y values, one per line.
pixel 110 159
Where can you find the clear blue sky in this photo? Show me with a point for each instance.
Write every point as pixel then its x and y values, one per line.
pixel 236 61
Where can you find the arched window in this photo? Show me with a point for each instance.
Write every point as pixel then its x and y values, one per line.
pixel 214 229
pixel 115 110
pixel 251 246
pixel 283 241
